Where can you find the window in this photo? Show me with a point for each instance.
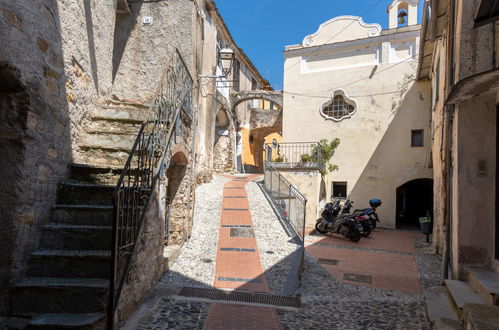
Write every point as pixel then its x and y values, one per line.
pixel 253 84
pixel 487 12
pixel 338 108
pixel 236 68
pixel 417 137
pixel 339 189
pixel 251 139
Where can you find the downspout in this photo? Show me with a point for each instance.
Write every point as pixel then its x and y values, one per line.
pixel 448 214
pixel 450 118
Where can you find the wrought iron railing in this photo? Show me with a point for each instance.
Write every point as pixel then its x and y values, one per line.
pixel 138 179
pixel 295 155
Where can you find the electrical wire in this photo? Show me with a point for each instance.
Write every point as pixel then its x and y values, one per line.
pixel 352 82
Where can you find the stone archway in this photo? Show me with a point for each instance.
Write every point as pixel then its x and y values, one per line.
pixel 178 186
pixel 260 124
pixel 238 97
pixel 223 153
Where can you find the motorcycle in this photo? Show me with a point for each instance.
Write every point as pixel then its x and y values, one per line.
pixel 368 216
pixel 332 222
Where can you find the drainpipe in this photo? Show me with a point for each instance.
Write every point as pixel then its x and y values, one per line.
pixel 448 214
pixel 450 117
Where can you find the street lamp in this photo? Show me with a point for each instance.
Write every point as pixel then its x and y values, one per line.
pixel 226 59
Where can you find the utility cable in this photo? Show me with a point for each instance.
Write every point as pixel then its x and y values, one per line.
pixel 352 82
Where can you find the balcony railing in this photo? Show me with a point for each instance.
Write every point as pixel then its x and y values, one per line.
pixel 303 155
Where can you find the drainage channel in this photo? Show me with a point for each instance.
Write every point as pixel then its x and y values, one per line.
pixel 240 297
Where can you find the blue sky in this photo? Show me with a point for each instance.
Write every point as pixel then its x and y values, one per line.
pixel 263 27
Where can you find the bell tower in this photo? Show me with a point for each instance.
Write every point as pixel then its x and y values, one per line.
pixel 402 13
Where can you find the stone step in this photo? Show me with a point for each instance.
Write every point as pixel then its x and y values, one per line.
pixel 486 283
pixel 123 114
pixel 102 156
pixel 99 174
pixel 446 324
pixel 83 214
pixel 480 316
pixel 462 293
pixel 59 295
pixel 84 193
pixel 119 128
pixel 109 141
pixel 75 237
pixel 91 321
pixel 439 305
pixel 70 263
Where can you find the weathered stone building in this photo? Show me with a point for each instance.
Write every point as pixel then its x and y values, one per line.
pixel 87 89
pixel 356 82
pixel 221 115
pixel 459 56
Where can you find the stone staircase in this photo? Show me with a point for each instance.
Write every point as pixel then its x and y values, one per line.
pixel 67 283
pixel 473 304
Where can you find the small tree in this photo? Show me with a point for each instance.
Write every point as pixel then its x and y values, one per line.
pixel 326 149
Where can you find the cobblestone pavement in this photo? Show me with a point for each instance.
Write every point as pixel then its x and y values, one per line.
pixel 328 302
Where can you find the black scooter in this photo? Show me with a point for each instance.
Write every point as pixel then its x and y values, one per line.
pixel 332 222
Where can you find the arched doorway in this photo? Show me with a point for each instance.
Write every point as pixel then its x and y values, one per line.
pixel 175 215
pixel 414 200
pixel 222 145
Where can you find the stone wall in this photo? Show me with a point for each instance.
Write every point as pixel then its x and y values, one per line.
pixel 142 50
pixel 62 59
pixel 147 263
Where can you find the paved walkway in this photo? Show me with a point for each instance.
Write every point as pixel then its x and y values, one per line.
pixel 387 260
pixel 238 264
pixel 238 243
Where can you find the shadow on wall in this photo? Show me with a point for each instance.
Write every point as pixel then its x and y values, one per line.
pixel 91 42
pixel 34 124
pixel 394 162
pixel 124 26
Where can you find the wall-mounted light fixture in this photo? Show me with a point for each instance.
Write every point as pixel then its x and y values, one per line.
pixel 226 59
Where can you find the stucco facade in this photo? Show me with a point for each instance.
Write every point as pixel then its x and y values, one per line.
pixel 459 58
pixel 373 71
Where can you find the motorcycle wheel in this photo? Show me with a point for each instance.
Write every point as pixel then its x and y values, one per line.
pixel 320 227
pixel 355 235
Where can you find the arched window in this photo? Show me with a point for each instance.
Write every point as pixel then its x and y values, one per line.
pixel 339 107
pixel 402 14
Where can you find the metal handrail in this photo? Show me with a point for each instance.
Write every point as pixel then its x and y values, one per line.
pixel 292 154
pixel 282 178
pixel 136 185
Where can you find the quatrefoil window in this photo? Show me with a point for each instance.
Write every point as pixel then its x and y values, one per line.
pixel 338 107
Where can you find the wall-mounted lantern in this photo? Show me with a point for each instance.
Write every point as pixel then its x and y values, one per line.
pixel 226 59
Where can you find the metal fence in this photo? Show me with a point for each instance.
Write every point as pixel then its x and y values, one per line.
pixel 292 208
pixel 306 154
pixel 289 201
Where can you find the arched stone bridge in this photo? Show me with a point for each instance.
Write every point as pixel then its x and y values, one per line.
pixel 242 96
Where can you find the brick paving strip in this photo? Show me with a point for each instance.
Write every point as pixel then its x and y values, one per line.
pixel 238 265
